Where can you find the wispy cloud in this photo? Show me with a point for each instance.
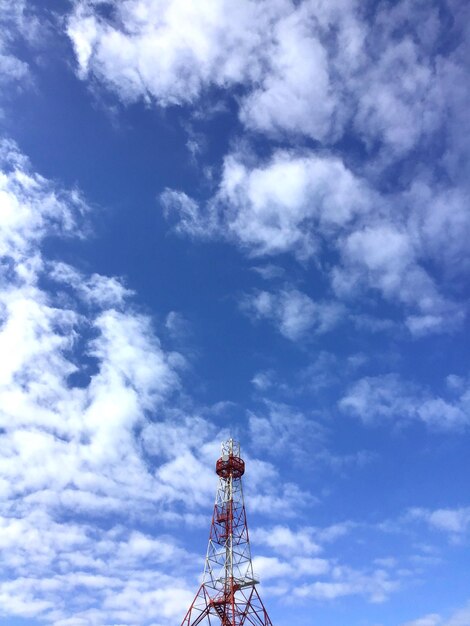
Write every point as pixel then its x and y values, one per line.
pixel 293 313
pixel 376 585
pixel 461 617
pixel 453 522
pixel 14 23
pixel 390 397
pixel 279 429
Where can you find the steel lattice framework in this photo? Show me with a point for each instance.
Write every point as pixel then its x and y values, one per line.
pixel 228 593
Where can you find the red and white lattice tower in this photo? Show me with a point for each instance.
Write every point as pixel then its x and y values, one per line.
pixel 228 593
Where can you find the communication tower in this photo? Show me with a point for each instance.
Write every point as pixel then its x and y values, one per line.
pixel 228 593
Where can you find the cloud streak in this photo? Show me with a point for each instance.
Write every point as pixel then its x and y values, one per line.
pixel 377 398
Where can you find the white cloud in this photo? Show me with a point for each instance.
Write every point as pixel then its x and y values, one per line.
pixel 440 223
pixel 188 216
pixel 169 51
pixel 283 205
pixel 454 522
pixel 18 23
pixel 385 258
pixel 400 100
pixel 292 312
pixel 263 380
pixel 453 72
pixel 266 493
pixel 376 398
pixel 269 271
pixel 376 585
pixel 271 567
pixel 460 617
pixel 284 540
pixel 177 326
pixel 307 540
pixel 278 428
pixel 12 69
pixel 102 291
pixel 294 95
pixel 428 620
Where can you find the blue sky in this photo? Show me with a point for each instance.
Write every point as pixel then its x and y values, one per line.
pixel 239 219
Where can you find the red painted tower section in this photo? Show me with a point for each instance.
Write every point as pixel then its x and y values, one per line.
pixel 228 593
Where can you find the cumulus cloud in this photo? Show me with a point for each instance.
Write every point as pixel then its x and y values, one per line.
pixel 389 397
pixel 459 618
pixel 278 429
pixel 169 51
pixel 400 100
pixel 272 567
pixel 285 540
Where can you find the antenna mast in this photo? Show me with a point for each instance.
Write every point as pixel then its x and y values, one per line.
pixel 228 594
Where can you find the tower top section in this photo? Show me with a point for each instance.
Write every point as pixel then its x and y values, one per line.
pixel 230 464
